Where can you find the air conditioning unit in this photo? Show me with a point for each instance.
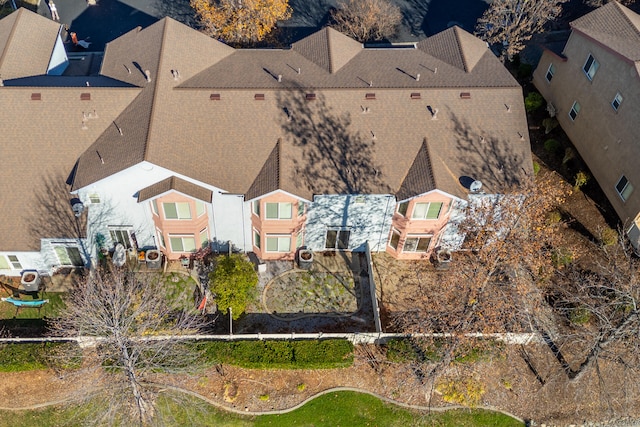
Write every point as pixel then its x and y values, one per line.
pixel 30 280
pixel 153 257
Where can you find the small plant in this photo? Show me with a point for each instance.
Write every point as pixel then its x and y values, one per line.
pixel 536 168
pixel 580 316
pixel 533 102
pixel 550 123
pixel 609 236
pixel 554 217
pixel 551 146
pixel 467 392
pixel 506 384
pixel 561 257
pixel 580 180
pixel 264 397
pixel 301 386
pixel 569 154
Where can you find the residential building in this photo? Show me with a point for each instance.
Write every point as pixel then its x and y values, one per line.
pixel 593 86
pixel 178 141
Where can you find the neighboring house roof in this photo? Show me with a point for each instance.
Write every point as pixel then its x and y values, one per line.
pixel 177 184
pixel 615 26
pixel 26 44
pixel 220 120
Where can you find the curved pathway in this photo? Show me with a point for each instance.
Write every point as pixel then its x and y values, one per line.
pixel 280 411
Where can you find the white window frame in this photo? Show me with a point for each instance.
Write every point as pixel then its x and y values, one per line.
pixel 94 198
pixel 161 241
pixel 617 100
pixel 257 239
pixel 255 208
pixel 417 237
pixel 115 229
pixel 279 210
pixel 207 240
pixel 626 190
pixel 592 68
pixel 15 263
pixel 201 208
pixel 575 109
pixel 406 209
pixel 154 207
pixel 179 212
pixel 182 238
pixel 63 262
pixel 550 72
pixel 337 246
pixel 426 212
pixel 280 243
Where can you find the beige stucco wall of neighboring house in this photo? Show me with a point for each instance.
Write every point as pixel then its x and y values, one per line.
pixel 264 228
pixel 608 140
pixel 405 226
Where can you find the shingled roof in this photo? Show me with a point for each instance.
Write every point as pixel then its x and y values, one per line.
pixel 26 44
pixel 177 184
pixel 614 26
pixel 248 121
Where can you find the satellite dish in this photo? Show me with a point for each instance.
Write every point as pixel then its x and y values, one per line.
pixel 475 186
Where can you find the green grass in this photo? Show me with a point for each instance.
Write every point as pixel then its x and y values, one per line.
pixel 34 356
pixel 334 409
pixel 180 289
pixel 317 354
pixel 51 309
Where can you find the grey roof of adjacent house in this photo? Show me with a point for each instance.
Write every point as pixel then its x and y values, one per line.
pixel 177 184
pixel 615 26
pixel 245 121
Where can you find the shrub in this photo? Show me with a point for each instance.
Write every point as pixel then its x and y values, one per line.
pixel 580 316
pixel 550 123
pixel 536 168
pixel 569 154
pixel 234 283
pixel 524 71
pixel 30 356
pixel 264 397
pixel 552 146
pixel 301 386
pixel 561 257
pixel 533 102
pixel 609 237
pixel 467 392
pixel 279 354
pixel 580 180
pixel 554 217
pixel 403 350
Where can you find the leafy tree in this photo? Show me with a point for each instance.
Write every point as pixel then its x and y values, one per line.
pixel 234 284
pixel 510 23
pixel 240 21
pixel 366 20
pixel 131 327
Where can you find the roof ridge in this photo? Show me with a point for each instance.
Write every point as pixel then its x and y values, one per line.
pixel 456 32
pixel 622 10
pixel 328 37
pixel 156 82
pixel 11 34
pixel 278 154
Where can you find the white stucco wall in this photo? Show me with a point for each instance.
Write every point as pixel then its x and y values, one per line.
pixel 369 221
pixel 27 260
pixel 59 61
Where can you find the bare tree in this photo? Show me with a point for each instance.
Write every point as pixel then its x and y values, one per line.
pixel 367 20
pixel 510 23
pixel 494 286
pixel 135 326
pixel 240 21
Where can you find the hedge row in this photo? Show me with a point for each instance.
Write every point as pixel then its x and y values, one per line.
pixel 316 354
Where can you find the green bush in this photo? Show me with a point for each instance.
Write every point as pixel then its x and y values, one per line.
pixel 554 217
pixel 536 168
pixel 561 257
pixel 609 237
pixel 552 146
pixel 580 316
pixel 234 283
pixel 533 102
pixel 305 354
pixel 580 180
pixel 550 123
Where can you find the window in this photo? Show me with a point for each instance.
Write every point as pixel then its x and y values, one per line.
pixel 278 243
pixel 279 210
pixel 575 109
pixel 337 239
pixel 121 235
pixel 200 208
pixel 256 239
pixel 4 265
pixel 204 238
pixel 360 200
pixel 94 198
pixel 15 263
pixel 550 72
pixel 177 210
pixel 395 238
pixel 154 207
pixel 186 243
pixel 416 243
pixel 624 188
pixel 616 101
pixel 429 210
pixel 256 207
pixel 163 244
pixel 590 67
pixel 69 255
pixel 402 208
pixel 300 208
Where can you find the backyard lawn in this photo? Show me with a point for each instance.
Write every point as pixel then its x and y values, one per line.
pixel 333 409
pixel 51 309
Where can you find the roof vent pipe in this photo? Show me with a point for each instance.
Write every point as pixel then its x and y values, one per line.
pixel 279 78
pixel 127 68
pixel 148 74
pixel 418 77
pixel 299 70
